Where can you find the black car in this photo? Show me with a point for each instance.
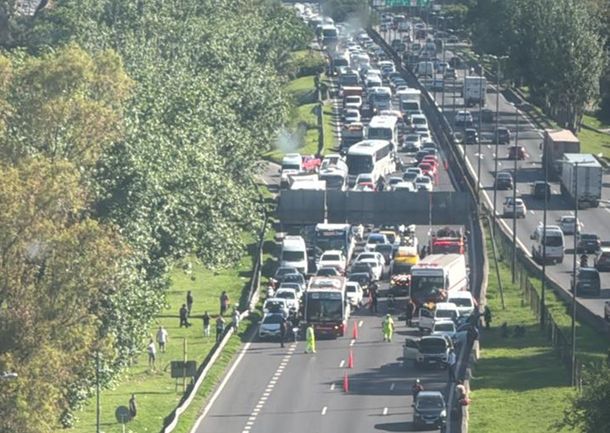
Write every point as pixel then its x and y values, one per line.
pixel 538 189
pixel 602 261
pixel 283 271
pixel 362 278
pixel 386 250
pixel 420 155
pixel 502 135
pixel 588 243
pixel 430 410
pixel 471 136
pixel 587 282
pixel 362 267
pixel 504 180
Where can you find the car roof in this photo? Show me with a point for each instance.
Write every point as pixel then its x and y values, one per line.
pixel 460 294
pixel 446 306
pixel 332 252
pixel 430 394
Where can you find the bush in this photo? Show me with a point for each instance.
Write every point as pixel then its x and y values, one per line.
pixel 306 62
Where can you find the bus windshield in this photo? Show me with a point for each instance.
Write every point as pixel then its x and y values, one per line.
pixel 333 181
pixel 358 164
pixel 322 309
pixel 380 134
pixel 426 284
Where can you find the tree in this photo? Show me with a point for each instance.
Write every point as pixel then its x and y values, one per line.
pixel 57 269
pixel 588 411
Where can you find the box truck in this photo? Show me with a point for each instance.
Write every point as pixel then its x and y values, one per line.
pixel 581 179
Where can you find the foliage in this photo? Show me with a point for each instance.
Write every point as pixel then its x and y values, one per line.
pixel 304 63
pixel 588 411
pixel 59 272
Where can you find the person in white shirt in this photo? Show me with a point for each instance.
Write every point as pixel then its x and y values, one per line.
pixel 162 337
pixel 152 353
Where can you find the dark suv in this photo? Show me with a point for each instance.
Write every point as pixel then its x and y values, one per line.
pixel 588 282
pixel 430 410
pixel 588 243
pixel 504 180
pixel 471 136
pixel 537 189
pixel 502 135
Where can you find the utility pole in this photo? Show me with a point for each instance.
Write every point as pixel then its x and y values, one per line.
pixel 97 391
pixel 544 215
pixel 482 94
pixel 497 138
pixel 514 261
pixel 576 233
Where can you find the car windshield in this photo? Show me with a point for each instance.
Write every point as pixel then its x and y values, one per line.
pixel 553 240
pixel 587 237
pixel 272 319
pixel 589 275
pixel 294 278
pixel 445 314
pixel 376 239
pixel 429 402
pixel 285 271
pixel 274 305
pixel 293 256
pixel 412 137
pixel 444 327
pixel 285 294
pixel 331 257
pixel 351 288
pixel 326 272
pixel 360 278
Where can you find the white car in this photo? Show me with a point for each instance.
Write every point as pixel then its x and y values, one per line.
pixel 423 183
pixel 371 255
pixel 353 102
pixel 412 143
pixel 419 120
pixel 443 311
pixel 463 118
pixel 415 170
pixel 270 326
pixel 276 305
pixel 351 115
pixel 365 178
pixel 291 297
pixel 444 327
pixel 405 186
pixel 392 181
pixel 568 224
pixel 464 301
pixel 376 268
pixel 517 211
pixel 363 187
pixel 354 293
pixel 332 259
pixel 374 239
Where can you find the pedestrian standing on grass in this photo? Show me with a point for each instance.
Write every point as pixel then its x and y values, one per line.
pixel 224 302
pixel 220 328
pixel 184 315
pixel 189 301
pixel 152 353
pixel 162 338
pixel 487 317
pixel 206 324
pixel 133 406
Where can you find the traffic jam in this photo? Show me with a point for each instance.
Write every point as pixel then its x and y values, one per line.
pixel 327 272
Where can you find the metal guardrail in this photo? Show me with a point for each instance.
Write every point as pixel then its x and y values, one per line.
pixel 171 421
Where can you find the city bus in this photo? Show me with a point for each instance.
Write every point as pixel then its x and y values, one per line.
pixel 326 306
pixel 334 237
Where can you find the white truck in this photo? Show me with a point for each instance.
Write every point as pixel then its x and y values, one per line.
pixel 581 179
pixel 409 101
pixel 474 91
pixel 437 275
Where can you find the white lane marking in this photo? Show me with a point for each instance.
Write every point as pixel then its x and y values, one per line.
pixel 266 394
pixel 250 423
pixel 489 146
pixel 342 363
pixel 324 409
pixel 360 324
pixel 385 411
pixel 272 382
pixel 258 406
pixel 392 386
pixel 351 343
pixel 222 385
pixel 532 212
pixel 332 386
pixel 252 418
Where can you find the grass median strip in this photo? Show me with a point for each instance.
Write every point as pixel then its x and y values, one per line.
pixel 519 383
pixel 155 391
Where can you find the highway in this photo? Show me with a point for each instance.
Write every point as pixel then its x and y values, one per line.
pixel 595 220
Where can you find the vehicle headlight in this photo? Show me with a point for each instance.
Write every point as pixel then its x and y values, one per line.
pixel 444 414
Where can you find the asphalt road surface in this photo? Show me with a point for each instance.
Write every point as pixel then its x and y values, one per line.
pixel 596 220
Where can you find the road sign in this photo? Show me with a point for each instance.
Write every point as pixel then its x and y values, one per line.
pixel 412 3
pixel 122 414
pixel 182 369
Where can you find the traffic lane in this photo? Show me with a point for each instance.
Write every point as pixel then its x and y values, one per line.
pixel 237 401
pixel 310 398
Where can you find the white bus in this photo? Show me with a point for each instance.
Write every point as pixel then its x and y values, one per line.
pixel 373 157
pixel 384 127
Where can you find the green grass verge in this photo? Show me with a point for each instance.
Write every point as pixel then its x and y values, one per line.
pixel 330 138
pixel 592 141
pixel 302 89
pixel 155 390
pixel 520 384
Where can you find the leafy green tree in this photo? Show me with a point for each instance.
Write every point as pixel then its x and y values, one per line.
pixel 588 411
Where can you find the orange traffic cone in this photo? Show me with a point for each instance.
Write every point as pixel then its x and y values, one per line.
pixel 355 331
pixel 350 360
pixel 345 383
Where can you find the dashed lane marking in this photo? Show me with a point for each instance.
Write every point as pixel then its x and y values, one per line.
pixel 385 411
pixel 342 363
pixel 324 409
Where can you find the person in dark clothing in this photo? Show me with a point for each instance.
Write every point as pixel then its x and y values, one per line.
pixel 487 317
pixel 206 324
pixel 416 388
pixel 224 302
pixel 373 291
pixel 133 406
pixel 283 331
pixel 189 301
pixel 220 328
pixel 504 330
pixel 184 314
pixel 410 311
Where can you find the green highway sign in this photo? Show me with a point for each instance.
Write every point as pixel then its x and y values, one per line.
pixel 412 3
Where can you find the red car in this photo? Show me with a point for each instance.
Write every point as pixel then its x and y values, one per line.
pixel 432 161
pixel 427 169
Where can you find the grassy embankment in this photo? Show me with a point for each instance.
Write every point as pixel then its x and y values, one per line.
pixel 592 141
pixel 519 384
pixel 155 390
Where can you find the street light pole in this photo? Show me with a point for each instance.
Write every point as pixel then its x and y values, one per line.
pixel 497 138
pixel 97 392
pixel 514 261
pixel 544 215
pixel 481 102
pixel 576 233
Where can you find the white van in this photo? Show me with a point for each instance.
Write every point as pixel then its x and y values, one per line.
pixel 294 253
pixel 464 301
pixel 552 236
pixel 372 157
pixel 425 69
pixel 443 311
pixel 383 127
